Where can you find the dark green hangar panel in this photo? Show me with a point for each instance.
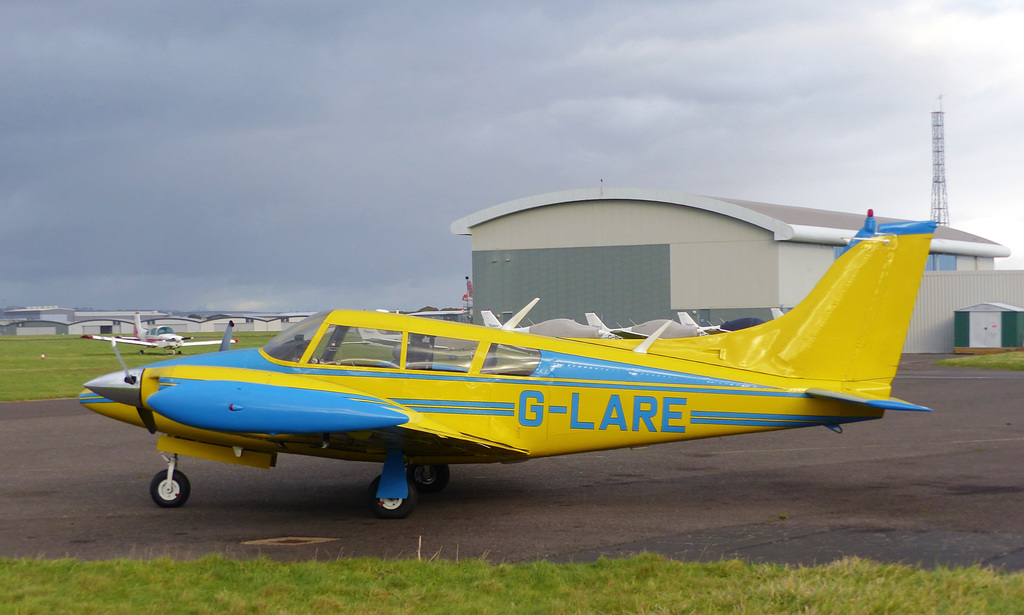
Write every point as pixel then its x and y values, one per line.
pixel 620 283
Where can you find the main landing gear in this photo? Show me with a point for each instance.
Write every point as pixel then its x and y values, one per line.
pixel 398 497
pixel 428 479
pixel 170 488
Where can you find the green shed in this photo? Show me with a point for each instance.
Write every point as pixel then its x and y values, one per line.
pixel 988 325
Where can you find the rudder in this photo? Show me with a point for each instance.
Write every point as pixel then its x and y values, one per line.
pixel 851 326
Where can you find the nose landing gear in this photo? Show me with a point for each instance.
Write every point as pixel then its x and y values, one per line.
pixel 170 488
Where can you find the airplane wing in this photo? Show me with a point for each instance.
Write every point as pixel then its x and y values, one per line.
pixel 626 334
pixel 205 343
pixel 121 340
pixel 426 439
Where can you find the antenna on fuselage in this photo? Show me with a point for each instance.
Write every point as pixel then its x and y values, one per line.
pixel 512 322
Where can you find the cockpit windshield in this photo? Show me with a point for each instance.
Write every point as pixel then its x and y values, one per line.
pixel 289 344
pixel 355 346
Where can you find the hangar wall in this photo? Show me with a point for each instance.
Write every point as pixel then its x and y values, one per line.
pixel 619 282
pixel 943 292
pixel 699 278
pixel 801 265
pixel 594 256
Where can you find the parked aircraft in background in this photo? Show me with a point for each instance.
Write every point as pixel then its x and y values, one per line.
pixel 453 393
pixel 555 327
pixel 157 337
pixel 684 328
pixel 727 326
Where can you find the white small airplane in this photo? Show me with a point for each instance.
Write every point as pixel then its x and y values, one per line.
pixel 158 337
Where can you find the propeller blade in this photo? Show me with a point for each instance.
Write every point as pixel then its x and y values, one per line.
pixel 128 377
pixel 145 414
pixel 225 343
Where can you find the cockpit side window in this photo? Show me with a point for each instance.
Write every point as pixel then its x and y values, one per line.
pixel 446 354
pixel 290 344
pixel 506 360
pixel 341 345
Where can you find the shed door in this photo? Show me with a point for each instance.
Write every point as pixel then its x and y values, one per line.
pixel 986 331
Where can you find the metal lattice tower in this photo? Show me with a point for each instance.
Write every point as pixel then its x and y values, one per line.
pixel 940 206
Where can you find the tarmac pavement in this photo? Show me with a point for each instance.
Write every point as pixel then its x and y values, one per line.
pixel 940 488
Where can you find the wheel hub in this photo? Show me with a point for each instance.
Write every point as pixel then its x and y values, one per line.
pixel 169 489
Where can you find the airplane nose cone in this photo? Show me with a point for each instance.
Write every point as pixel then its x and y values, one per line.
pixel 116 387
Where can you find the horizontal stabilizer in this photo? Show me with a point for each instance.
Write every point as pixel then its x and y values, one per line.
pixel 882 404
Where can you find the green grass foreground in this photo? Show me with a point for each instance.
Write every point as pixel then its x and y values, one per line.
pixel 71 361
pixel 1005 360
pixel 643 584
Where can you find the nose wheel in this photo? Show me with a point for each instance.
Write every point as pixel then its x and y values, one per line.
pixel 170 488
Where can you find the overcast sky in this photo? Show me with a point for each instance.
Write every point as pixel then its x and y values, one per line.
pixel 307 155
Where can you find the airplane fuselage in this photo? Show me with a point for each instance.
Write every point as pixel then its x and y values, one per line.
pixel 577 397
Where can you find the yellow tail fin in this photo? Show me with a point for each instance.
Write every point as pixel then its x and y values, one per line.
pixel 850 328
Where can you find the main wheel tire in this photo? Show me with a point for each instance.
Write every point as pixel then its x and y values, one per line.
pixel 170 493
pixel 429 478
pixel 391 508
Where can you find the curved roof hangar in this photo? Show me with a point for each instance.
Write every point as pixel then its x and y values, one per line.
pixel 786 223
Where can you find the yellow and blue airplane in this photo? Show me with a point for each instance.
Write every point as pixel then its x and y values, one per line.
pixel 419 395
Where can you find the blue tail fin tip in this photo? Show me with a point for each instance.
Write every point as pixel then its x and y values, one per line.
pixel 911 227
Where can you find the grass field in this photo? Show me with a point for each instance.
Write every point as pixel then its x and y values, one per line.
pixel 1006 360
pixel 643 584
pixel 71 361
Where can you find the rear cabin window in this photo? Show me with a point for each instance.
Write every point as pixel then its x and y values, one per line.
pixel 341 345
pixel 503 360
pixel 447 354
